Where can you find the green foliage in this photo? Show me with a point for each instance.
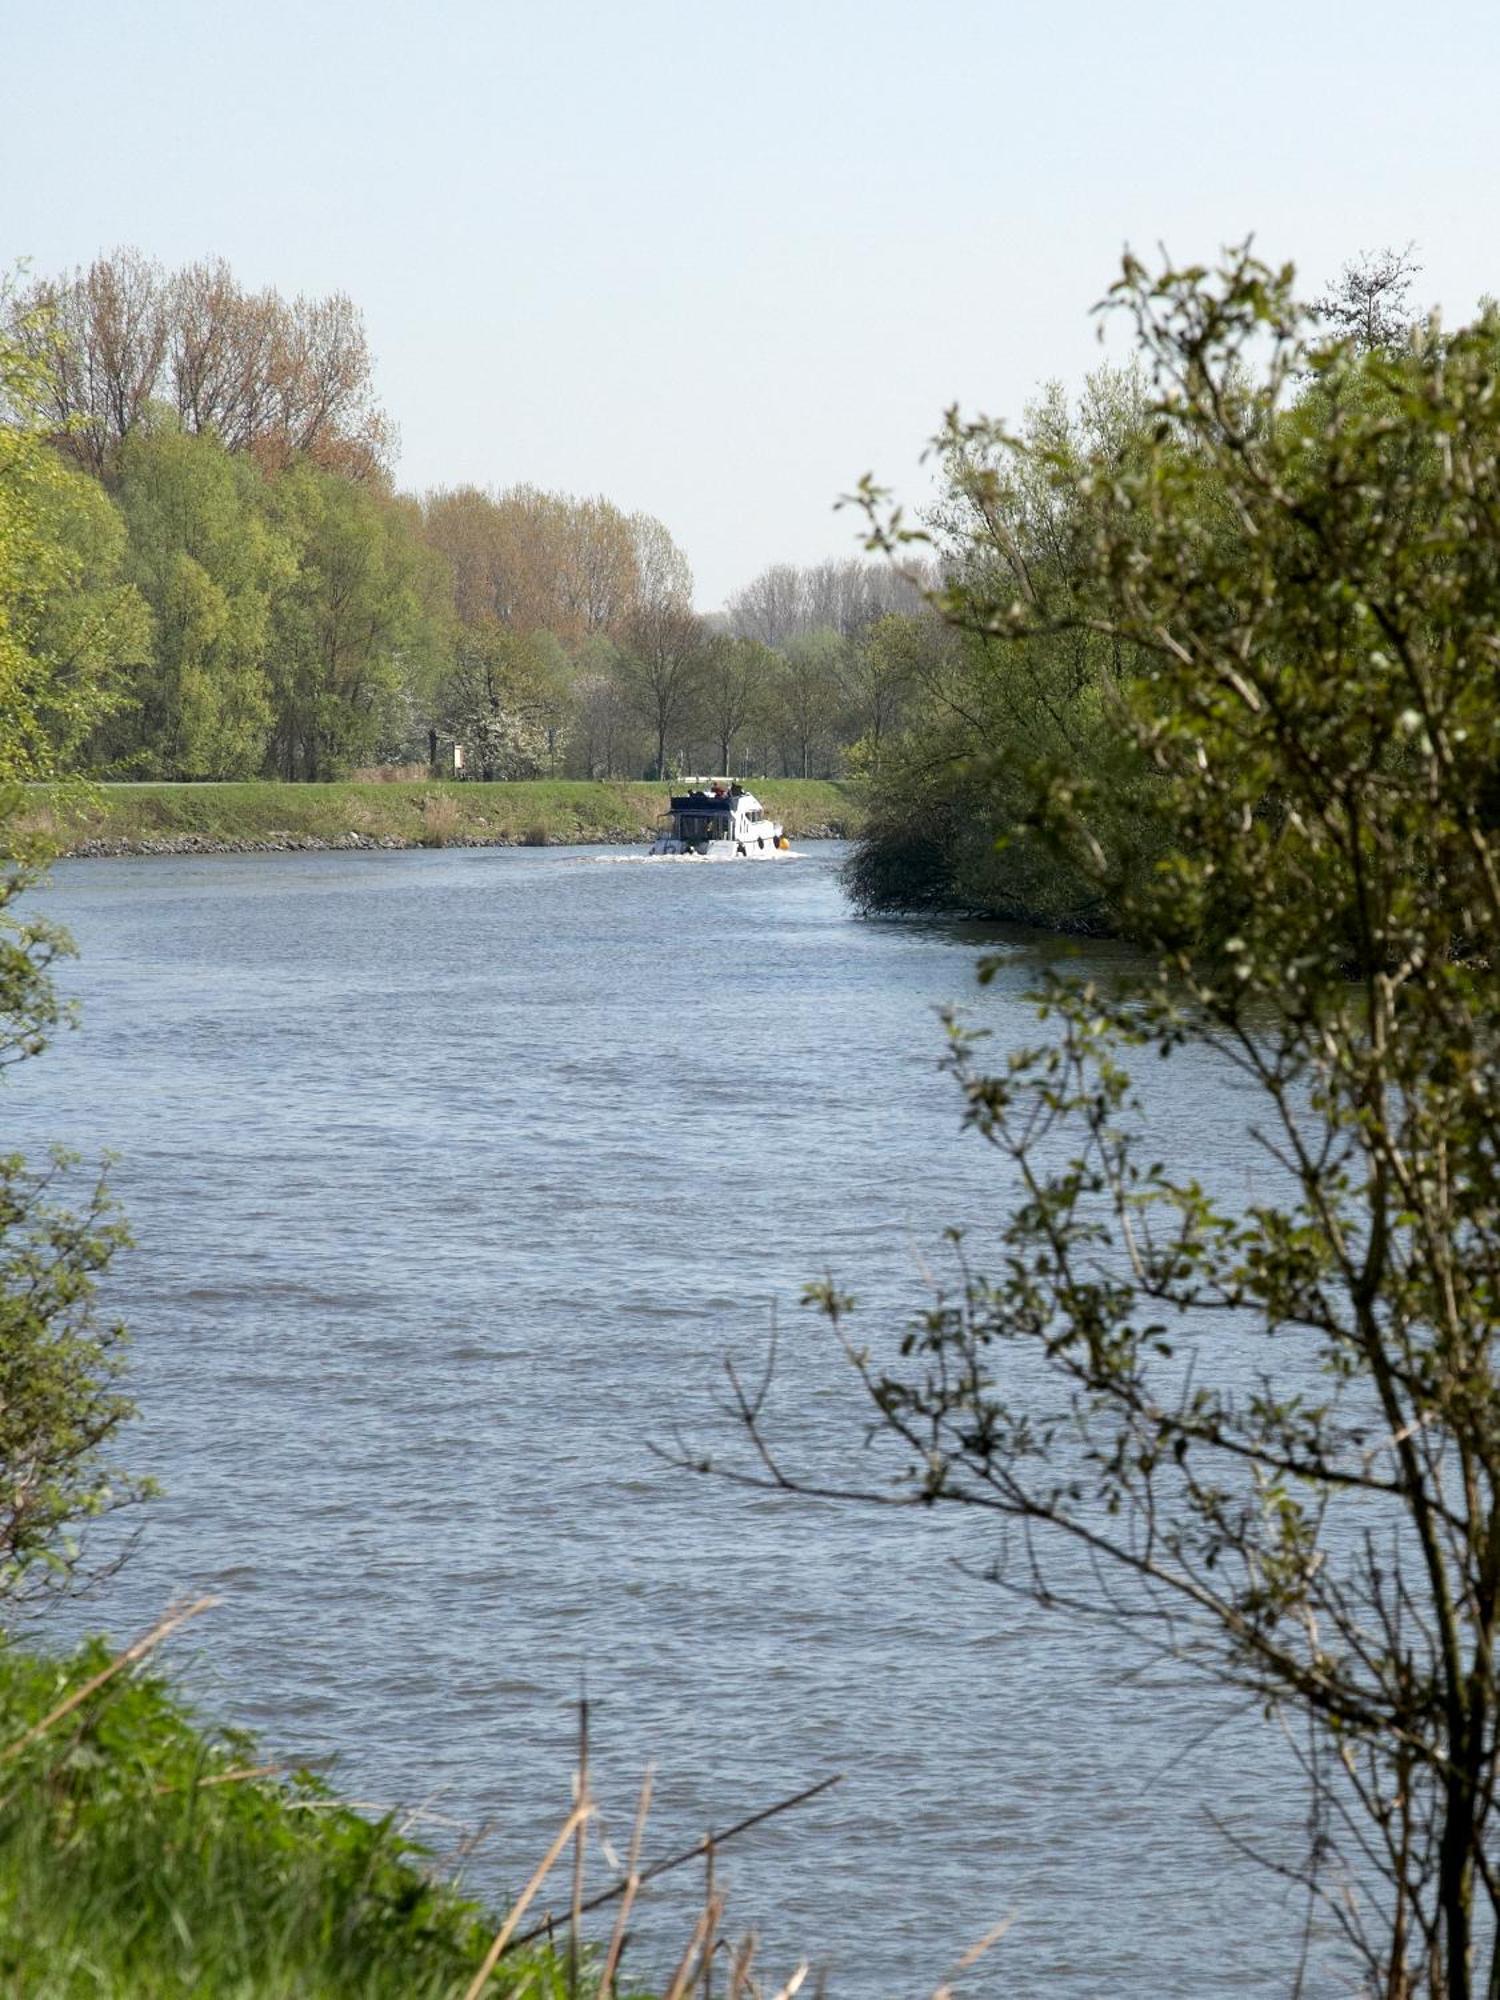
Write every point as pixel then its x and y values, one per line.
pixel 136 1858
pixel 60 1364
pixel 66 622
pixel 660 669
pixel 498 699
pixel 1270 1429
pixel 738 680
pixel 881 672
pixel 210 566
pixel 357 633
pixel 60 1405
pixel 89 628
pixel 806 693
pixel 603 737
pixel 296 620
pixel 989 719
pixel 272 607
pixel 62 616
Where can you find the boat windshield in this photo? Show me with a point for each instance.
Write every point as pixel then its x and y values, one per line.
pixel 701 826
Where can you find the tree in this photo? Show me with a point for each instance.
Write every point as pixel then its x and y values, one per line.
pixel 850 596
pixel 496 701
pixel 807 699
pixel 60 1365
pixel 604 729
pixel 86 630
pixel 208 562
pixel 93 629
pixel 663 580
pixel 69 626
pixel 358 631
pixel 878 673
pixel 986 716
pixel 1273 1431
pixel 60 1406
pixel 1369 305
pixel 276 378
pixel 104 333
pixel 771 608
pixel 661 668
pixel 464 526
pixel 597 574
pixel 737 675
pixel 549 562
pixel 787 602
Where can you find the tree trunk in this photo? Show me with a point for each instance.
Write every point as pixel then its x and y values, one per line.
pixel 1456 1862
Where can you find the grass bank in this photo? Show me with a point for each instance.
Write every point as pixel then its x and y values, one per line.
pixel 125 819
pixel 141 1855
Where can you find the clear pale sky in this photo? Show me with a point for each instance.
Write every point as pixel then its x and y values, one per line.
pixel 716 262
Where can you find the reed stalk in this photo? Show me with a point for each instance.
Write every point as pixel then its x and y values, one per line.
pixel 581 1798
pixel 688 1963
pixel 522 1903
pixel 632 1884
pixel 696 1851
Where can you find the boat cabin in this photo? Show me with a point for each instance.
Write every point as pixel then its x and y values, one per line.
pixel 714 815
pixel 717 821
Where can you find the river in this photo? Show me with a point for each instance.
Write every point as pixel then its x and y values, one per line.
pixel 454 1176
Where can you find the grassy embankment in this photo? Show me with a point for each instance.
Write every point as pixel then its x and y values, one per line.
pixel 539 812
pixel 140 1855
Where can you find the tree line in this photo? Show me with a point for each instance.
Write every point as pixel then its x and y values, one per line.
pixel 236 578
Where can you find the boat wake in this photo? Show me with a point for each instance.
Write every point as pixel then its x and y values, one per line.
pixel 668 860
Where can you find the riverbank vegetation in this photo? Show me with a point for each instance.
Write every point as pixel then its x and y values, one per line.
pixel 406 812
pixel 141 1854
pixel 136 1854
pixel 994 716
pixel 1033 687
pixel 1257 1428
pixel 221 557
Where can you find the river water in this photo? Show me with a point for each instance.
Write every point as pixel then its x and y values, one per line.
pixel 454 1176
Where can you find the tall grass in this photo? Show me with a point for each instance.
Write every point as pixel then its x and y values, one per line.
pixel 140 1856
pixel 441 820
pixel 145 1858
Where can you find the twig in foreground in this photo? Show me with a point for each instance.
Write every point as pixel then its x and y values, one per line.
pixel 693 1853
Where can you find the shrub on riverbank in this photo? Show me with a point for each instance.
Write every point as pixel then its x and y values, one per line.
pixel 959 835
pixel 998 715
pixel 138 1857
pixel 1259 1418
pixel 557 812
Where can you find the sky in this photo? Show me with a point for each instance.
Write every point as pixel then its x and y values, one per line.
pixel 717 262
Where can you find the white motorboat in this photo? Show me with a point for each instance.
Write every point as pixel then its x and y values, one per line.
pixel 720 823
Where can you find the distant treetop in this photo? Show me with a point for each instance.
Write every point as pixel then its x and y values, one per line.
pixel 270 376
